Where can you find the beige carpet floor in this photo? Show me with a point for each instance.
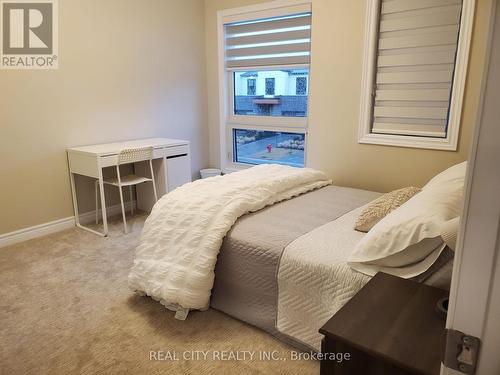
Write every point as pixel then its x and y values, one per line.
pixel 65 308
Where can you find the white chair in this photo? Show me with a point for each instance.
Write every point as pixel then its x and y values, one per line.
pixel 128 156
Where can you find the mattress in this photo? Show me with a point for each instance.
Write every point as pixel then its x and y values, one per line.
pixel 247 266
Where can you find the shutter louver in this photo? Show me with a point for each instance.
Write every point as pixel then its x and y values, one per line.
pixel 415 65
pixel 268 42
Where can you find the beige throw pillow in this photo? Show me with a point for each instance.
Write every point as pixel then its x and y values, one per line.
pixel 381 206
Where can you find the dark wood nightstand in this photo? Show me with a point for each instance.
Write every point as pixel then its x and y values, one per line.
pixel 389 327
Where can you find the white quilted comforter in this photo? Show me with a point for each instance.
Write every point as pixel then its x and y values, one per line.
pixel 176 257
pixel 314 280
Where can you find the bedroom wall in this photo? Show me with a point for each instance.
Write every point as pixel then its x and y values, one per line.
pixel 335 90
pixel 127 70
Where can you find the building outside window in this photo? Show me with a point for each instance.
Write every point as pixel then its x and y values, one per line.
pixel 266 70
pixel 251 88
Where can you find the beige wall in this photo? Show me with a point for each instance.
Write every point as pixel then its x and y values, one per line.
pixel 128 70
pixel 335 90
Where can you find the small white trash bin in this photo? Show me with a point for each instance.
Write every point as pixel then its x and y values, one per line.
pixel 210 172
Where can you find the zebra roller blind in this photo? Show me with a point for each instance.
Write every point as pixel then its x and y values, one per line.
pixel 284 40
pixel 417 45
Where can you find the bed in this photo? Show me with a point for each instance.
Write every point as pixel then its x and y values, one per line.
pixel 275 246
pixel 284 268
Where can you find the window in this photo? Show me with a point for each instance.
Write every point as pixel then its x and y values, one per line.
pixel 415 65
pixel 251 87
pixel 301 86
pixel 264 69
pixel 270 86
pixel 280 84
pixel 259 147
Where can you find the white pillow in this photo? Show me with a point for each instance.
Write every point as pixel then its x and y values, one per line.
pixel 449 232
pixel 448 176
pixel 407 241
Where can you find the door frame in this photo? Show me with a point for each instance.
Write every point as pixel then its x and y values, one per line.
pixel 475 286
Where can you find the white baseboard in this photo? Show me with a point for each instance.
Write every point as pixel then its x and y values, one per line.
pixel 44 229
pixel 36 231
pixel 89 217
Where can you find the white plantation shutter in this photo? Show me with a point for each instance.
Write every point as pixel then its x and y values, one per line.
pixel 416 54
pixel 283 40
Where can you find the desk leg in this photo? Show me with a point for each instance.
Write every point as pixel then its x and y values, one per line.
pixel 103 203
pixel 75 202
pixel 77 214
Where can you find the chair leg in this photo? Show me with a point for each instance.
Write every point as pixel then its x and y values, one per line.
pixel 96 202
pixel 123 209
pixel 131 200
pixel 154 191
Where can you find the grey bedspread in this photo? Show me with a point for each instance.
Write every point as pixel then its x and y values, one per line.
pixel 246 272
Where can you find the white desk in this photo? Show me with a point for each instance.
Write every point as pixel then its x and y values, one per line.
pixel 171 165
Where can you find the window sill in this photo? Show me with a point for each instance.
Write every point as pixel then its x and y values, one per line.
pixel 233 167
pixel 445 144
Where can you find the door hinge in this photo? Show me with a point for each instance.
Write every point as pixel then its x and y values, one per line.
pixel 461 351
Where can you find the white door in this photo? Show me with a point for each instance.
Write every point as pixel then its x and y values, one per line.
pixel 475 290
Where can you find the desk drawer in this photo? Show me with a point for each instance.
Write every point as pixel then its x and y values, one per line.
pixel 110 160
pixel 176 150
pixel 83 164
